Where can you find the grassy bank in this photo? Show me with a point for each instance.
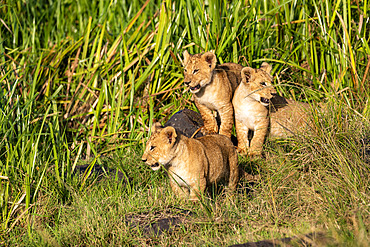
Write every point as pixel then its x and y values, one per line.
pixel 82 82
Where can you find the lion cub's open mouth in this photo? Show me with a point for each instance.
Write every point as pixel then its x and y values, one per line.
pixel 265 101
pixel 155 166
pixel 195 88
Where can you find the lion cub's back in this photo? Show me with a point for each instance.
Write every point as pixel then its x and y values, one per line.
pixel 290 119
pixel 221 155
pixel 233 72
pixel 218 148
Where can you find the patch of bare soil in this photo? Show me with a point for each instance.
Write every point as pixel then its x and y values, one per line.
pixel 156 223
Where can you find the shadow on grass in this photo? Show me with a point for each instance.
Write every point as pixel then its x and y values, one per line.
pixel 100 172
pixel 311 239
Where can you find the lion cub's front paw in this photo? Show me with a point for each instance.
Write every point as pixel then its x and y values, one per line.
pixel 241 150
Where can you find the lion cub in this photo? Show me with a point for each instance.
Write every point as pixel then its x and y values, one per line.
pixel 213 87
pixel 258 107
pixel 192 164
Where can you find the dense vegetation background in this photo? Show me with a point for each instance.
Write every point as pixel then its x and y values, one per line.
pixel 82 81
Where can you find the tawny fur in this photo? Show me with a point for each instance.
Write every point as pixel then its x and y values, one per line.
pixel 259 109
pixel 192 164
pixel 213 87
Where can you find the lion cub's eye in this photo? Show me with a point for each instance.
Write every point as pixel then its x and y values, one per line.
pixel 152 148
pixel 263 84
pixel 185 70
pixel 195 71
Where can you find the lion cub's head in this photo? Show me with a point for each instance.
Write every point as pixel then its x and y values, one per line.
pixel 198 70
pixel 259 83
pixel 159 148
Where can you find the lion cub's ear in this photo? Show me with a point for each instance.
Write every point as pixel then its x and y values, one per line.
pixel 170 133
pixel 247 74
pixel 266 67
pixel 186 58
pixel 156 127
pixel 210 58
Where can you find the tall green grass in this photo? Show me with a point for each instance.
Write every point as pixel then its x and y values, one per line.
pixel 88 78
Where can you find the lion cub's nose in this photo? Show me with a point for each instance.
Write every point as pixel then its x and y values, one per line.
pixel 187 83
pixel 143 159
